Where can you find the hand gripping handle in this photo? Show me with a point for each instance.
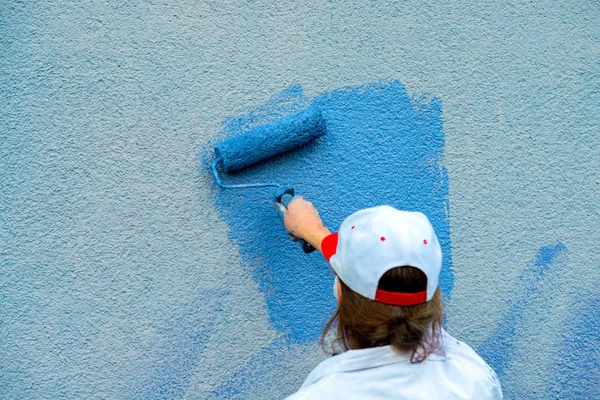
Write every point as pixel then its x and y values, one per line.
pixel 285 195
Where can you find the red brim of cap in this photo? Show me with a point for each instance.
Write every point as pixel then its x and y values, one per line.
pixel 329 245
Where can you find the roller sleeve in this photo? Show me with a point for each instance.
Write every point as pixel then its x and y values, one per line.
pixel 271 139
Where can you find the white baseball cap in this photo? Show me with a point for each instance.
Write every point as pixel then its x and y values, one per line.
pixel 372 241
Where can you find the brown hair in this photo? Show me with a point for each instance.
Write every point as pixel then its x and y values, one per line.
pixel 364 323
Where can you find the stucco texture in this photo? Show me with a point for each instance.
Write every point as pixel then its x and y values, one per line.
pixel 126 273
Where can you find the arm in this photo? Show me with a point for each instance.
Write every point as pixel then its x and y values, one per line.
pixel 302 220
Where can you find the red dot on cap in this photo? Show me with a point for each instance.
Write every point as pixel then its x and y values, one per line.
pixel 424 241
pixel 352 227
pixel 382 239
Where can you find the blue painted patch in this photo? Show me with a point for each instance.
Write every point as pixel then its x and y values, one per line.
pixel 381 147
pixel 497 350
pixel 178 348
pixel 575 373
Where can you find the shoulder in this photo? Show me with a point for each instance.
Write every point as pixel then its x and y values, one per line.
pixel 470 366
pixel 322 389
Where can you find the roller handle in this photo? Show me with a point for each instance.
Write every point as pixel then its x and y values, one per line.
pixel 285 195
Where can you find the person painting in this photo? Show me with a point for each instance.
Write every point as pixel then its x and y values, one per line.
pixel 389 316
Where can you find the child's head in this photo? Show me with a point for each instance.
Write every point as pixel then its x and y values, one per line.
pixel 388 262
pixel 364 323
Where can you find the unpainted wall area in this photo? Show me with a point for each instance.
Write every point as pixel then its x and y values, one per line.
pixel 127 274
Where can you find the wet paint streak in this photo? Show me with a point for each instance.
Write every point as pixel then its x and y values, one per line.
pixel 381 147
pixel 497 350
pixel 178 348
pixel 576 371
pixel 255 378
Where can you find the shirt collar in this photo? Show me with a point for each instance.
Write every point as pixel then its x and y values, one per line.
pixel 353 360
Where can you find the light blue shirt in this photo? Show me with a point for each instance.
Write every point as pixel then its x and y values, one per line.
pixel 382 373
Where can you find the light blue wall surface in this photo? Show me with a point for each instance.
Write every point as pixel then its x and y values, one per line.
pixel 126 273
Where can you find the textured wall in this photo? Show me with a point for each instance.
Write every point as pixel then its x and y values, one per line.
pixel 126 273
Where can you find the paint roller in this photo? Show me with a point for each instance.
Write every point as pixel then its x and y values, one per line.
pixel 264 142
